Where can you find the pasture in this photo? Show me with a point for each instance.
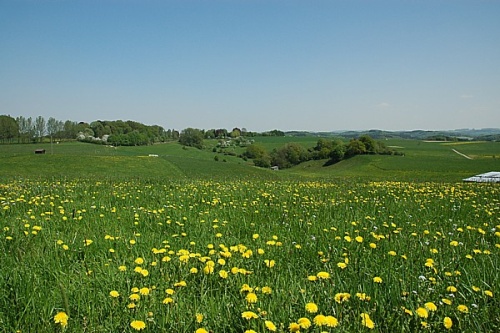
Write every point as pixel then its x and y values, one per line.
pixel 97 239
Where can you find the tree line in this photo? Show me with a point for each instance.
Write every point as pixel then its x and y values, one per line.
pixel 334 150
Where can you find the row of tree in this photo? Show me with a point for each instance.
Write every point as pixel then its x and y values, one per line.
pixel 333 150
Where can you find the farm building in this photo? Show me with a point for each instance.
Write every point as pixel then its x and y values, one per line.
pixel 488 177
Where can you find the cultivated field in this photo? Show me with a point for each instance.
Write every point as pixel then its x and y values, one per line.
pixel 96 239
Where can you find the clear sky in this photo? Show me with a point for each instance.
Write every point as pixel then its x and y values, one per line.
pixel 260 65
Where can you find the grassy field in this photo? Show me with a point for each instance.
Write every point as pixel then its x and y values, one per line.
pixel 98 239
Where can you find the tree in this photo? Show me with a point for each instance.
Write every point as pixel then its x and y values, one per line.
pixel 191 137
pixel 9 128
pixel 40 128
pixel 355 147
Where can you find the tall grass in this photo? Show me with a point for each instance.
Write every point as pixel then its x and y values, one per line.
pixel 222 248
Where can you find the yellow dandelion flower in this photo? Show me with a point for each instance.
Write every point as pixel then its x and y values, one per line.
pixel 168 300
pixel 446 301
pixel 169 291
pixel 451 289
pixel 87 242
pixel 249 315
pixel 266 290
pixel 122 268
pixel 342 297
pixel 134 297
pixel 139 261
pixel 312 278
pixel 366 321
pixel 377 279
pixel 323 275
pixel 199 317
pixel 463 308
pixel 488 293
pixel 447 322
pixel 114 293
pixel 319 320
pixel 270 326
pixel 341 265
pixel 251 298
pixel 138 325
pixel 422 312
pixel 311 308
pixel 144 272
pixel 331 321
pixel 223 274
pixel 305 323
pixel 294 327
pixel 201 330
pixel 430 306
pixel 61 318
pixel 144 291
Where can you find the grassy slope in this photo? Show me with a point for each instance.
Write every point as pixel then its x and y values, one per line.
pixel 423 161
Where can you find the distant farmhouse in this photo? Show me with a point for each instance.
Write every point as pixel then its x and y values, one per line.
pixel 488 177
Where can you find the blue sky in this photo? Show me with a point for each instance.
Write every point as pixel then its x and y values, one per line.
pixel 290 65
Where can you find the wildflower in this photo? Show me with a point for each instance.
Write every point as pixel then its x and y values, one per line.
pixel 114 293
pixel 451 289
pixel 366 321
pixel 341 265
pixel 144 291
pixel 251 298
pixel 424 324
pixel 134 297
pixel 312 278
pixel 223 274
pixel 61 318
pixel 359 239
pixel 270 326
pixel 311 308
pixel 199 317
pixel 144 272
pixel 392 253
pixel 323 275
pixel 87 242
pixel 131 305
pixel 193 270
pixel 201 330
pixel 446 301
pixel 138 325
pixel 305 323
pixel 180 284
pixel 249 315
pixel 430 306
pixel 319 320
pixel 168 300
pixel 294 327
pixel 363 297
pixel 373 245
pixel 422 312
pixel 488 293
pixel 342 297
pixel 447 322
pixel 331 321
pixel 250 331
pixel 269 263
pixel 266 290
pixel 377 279
pixel 463 308
pixel 139 261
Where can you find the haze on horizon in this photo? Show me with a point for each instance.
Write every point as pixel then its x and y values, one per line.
pixel 262 65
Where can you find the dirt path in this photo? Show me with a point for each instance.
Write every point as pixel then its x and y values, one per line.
pixel 459 153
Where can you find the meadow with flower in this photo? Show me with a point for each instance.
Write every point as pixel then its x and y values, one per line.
pixel 249 256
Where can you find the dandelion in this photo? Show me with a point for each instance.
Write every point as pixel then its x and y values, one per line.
pixel 249 315
pixel 377 279
pixel 319 320
pixel 366 321
pixel 323 275
pixel 488 293
pixel 266 290
pixel 341 265
pixel 312 278
pixel 294 327
pixel 342 297
pixel 201 330
pixel 144 291
pixel 311 308
pixel 463 308
pixel 270 326
pixel 139 261
pixel 168 300
pixel 199 317
pixel 430 306
pixel 446 301
pixel 87 242
pixel 134 297
pixel 138 325
pixel 61 318
pixel 363 297
pixel 251 298
pixel 114 293
pixel 422 312
pixel 223 274
pixel 269 263
pixel 305 323
pixel 447 322
pixel 392 253
pixel 331 321
pixel 451 289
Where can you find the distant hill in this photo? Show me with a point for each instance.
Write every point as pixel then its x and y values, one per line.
pixel 483 134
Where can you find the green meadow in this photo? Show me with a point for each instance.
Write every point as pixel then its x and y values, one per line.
pixel 103 239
